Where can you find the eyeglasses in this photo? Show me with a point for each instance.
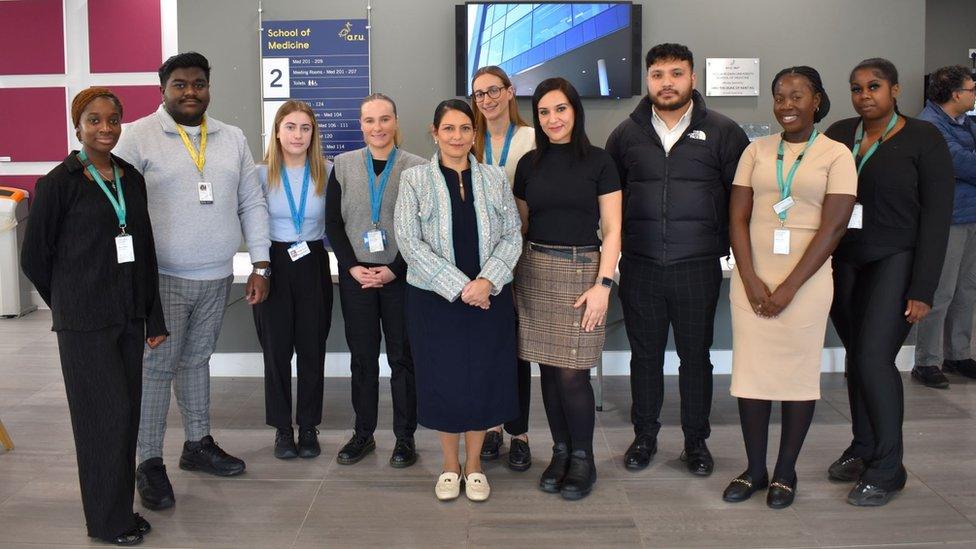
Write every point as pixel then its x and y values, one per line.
pixel 971 90
pixel 493 92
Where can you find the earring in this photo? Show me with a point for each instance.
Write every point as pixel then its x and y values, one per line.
pixel 435 141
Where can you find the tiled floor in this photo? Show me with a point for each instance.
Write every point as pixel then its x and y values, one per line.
pixel 318 503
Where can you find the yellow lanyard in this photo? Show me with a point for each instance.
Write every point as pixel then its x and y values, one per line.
pixel 199 158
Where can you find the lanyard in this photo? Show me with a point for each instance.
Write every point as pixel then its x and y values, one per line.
pixel 859 136
pixel 199 158
pixel 376 191
pixel 119 204
pixel 786 187
pixel 508 142
pixel 297 214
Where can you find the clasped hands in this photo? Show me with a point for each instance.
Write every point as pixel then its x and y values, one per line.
pixel 765 303
pixel 372 277
pixel 477 293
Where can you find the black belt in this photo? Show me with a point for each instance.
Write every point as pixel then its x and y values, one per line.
pixel 569 252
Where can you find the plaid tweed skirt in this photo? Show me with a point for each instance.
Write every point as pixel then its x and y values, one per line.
pixel 546 287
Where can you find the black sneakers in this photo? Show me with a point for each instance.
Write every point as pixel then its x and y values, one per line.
pixel 153 485
pixel 284 446
pixel 308 442
pixel 930 376
pixel 962 367
pixel 204 455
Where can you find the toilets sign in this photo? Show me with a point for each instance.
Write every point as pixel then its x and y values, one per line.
pixel 323 62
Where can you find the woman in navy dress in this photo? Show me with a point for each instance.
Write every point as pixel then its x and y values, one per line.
pixel 458 230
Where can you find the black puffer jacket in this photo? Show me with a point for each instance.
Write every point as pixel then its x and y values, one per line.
pixel 676 205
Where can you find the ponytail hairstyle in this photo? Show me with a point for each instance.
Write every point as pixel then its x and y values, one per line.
pixel 883 69
pixel 383 97
pixel 480 122
pixel 274 158
pixel 816 83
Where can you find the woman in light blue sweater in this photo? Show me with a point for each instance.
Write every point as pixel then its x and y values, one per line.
pixel 459 231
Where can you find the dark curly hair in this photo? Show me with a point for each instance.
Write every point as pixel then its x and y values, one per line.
pixel 943 82
pixel 816 83
pixel 660 52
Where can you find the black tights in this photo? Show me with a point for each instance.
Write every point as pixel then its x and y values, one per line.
pixel 754 417
pixel 570 407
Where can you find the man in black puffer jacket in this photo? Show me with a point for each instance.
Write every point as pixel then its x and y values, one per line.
pixel 676 160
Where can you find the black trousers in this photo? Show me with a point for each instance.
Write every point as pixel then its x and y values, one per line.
pixel 295 320
pixel 655 297
pixel 366 313
pixel 103 380
pixel 868 313
pixel 520 425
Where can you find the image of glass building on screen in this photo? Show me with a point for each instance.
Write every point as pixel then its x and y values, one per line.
pixel 588 44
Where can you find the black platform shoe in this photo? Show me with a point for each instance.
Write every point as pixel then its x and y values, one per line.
pixel 519 455
pixel 580 477
pixel 356 449
pixel 491 448
pixel 743 487
pixel 552 478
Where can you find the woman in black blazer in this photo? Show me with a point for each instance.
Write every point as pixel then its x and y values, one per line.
pixel 89 251
pixel 886 269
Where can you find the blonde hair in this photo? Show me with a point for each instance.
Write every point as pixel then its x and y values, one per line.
pixel 383 97
pixel 274 157
pixel 480 122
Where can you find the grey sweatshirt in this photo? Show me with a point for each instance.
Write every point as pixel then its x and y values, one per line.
pixel 193 240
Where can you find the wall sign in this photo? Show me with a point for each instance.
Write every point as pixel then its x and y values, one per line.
pixel 324 63
pixel 726 76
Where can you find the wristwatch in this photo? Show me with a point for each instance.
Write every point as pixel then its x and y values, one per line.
pixel 262 271
pixel 607 282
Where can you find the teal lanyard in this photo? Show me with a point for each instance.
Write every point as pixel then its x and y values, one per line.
pixel 859 136
pixel 376 191
pixel 508 142
pixel 297 214
pixel 786 187
pixel 117 204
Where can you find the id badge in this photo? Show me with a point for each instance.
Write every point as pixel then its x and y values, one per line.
pixel 783 205
pixel 375 240
pixel 205 189
pixel 298 250
pixel 781 241
pixel 124 251
pixel 857 217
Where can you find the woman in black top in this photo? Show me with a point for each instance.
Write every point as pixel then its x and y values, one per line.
pixel 565 190
pixel 89 252
pixel 886 269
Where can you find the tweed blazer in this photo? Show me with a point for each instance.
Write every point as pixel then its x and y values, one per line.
pixel 422 221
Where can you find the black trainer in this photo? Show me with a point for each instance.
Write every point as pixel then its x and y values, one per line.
pixel 204 455
pixel 930 376
pixel 356 449
pixel 962 367
pixel 153 485
pixel 308 442
pixel 284 447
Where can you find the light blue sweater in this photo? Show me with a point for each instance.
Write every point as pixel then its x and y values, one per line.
pixel 193 240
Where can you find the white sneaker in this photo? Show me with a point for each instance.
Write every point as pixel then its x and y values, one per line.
pixel 476 487
pixel 448 486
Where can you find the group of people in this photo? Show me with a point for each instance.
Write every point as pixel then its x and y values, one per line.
pixel 499 251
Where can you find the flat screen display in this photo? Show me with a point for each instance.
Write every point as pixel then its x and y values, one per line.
pixel 596 46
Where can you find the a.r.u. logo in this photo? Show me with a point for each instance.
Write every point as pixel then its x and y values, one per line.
pixel 346 32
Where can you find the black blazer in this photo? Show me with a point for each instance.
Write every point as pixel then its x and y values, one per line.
pixel 69 251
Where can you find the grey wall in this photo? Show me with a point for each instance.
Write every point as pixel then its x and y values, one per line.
pixel 413 61
pixel 950 32
pixel 413 50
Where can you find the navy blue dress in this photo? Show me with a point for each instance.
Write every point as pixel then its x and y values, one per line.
pixel 464 356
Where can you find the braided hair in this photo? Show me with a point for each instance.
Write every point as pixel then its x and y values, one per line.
pixel 816 83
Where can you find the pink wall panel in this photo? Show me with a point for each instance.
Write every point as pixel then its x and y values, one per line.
pixel 25 182
pixel 137 101
pixel 124 35
pixel 35 125
pixel 32 37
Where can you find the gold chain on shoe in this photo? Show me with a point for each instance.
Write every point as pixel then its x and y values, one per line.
pixel 781 486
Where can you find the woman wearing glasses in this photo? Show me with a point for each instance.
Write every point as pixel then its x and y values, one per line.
pixel 501 138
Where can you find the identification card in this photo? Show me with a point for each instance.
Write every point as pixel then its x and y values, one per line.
pixel 124 250
pixel 206 192
pixel 375 240
pixel 298 250
pixel 781 241
pixel 783 205
pixel 857 217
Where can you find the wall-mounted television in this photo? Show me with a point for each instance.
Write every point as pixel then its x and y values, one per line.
pixel 596 46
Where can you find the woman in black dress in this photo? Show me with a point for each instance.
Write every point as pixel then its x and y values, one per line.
pixel 89 252
pixel 566 189
pixel 458 230
pixel 886 269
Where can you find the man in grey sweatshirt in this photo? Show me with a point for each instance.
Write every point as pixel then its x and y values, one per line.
pixel 203 190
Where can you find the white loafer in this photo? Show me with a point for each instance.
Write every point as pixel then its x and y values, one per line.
pixel 476 487
pixel 448 486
